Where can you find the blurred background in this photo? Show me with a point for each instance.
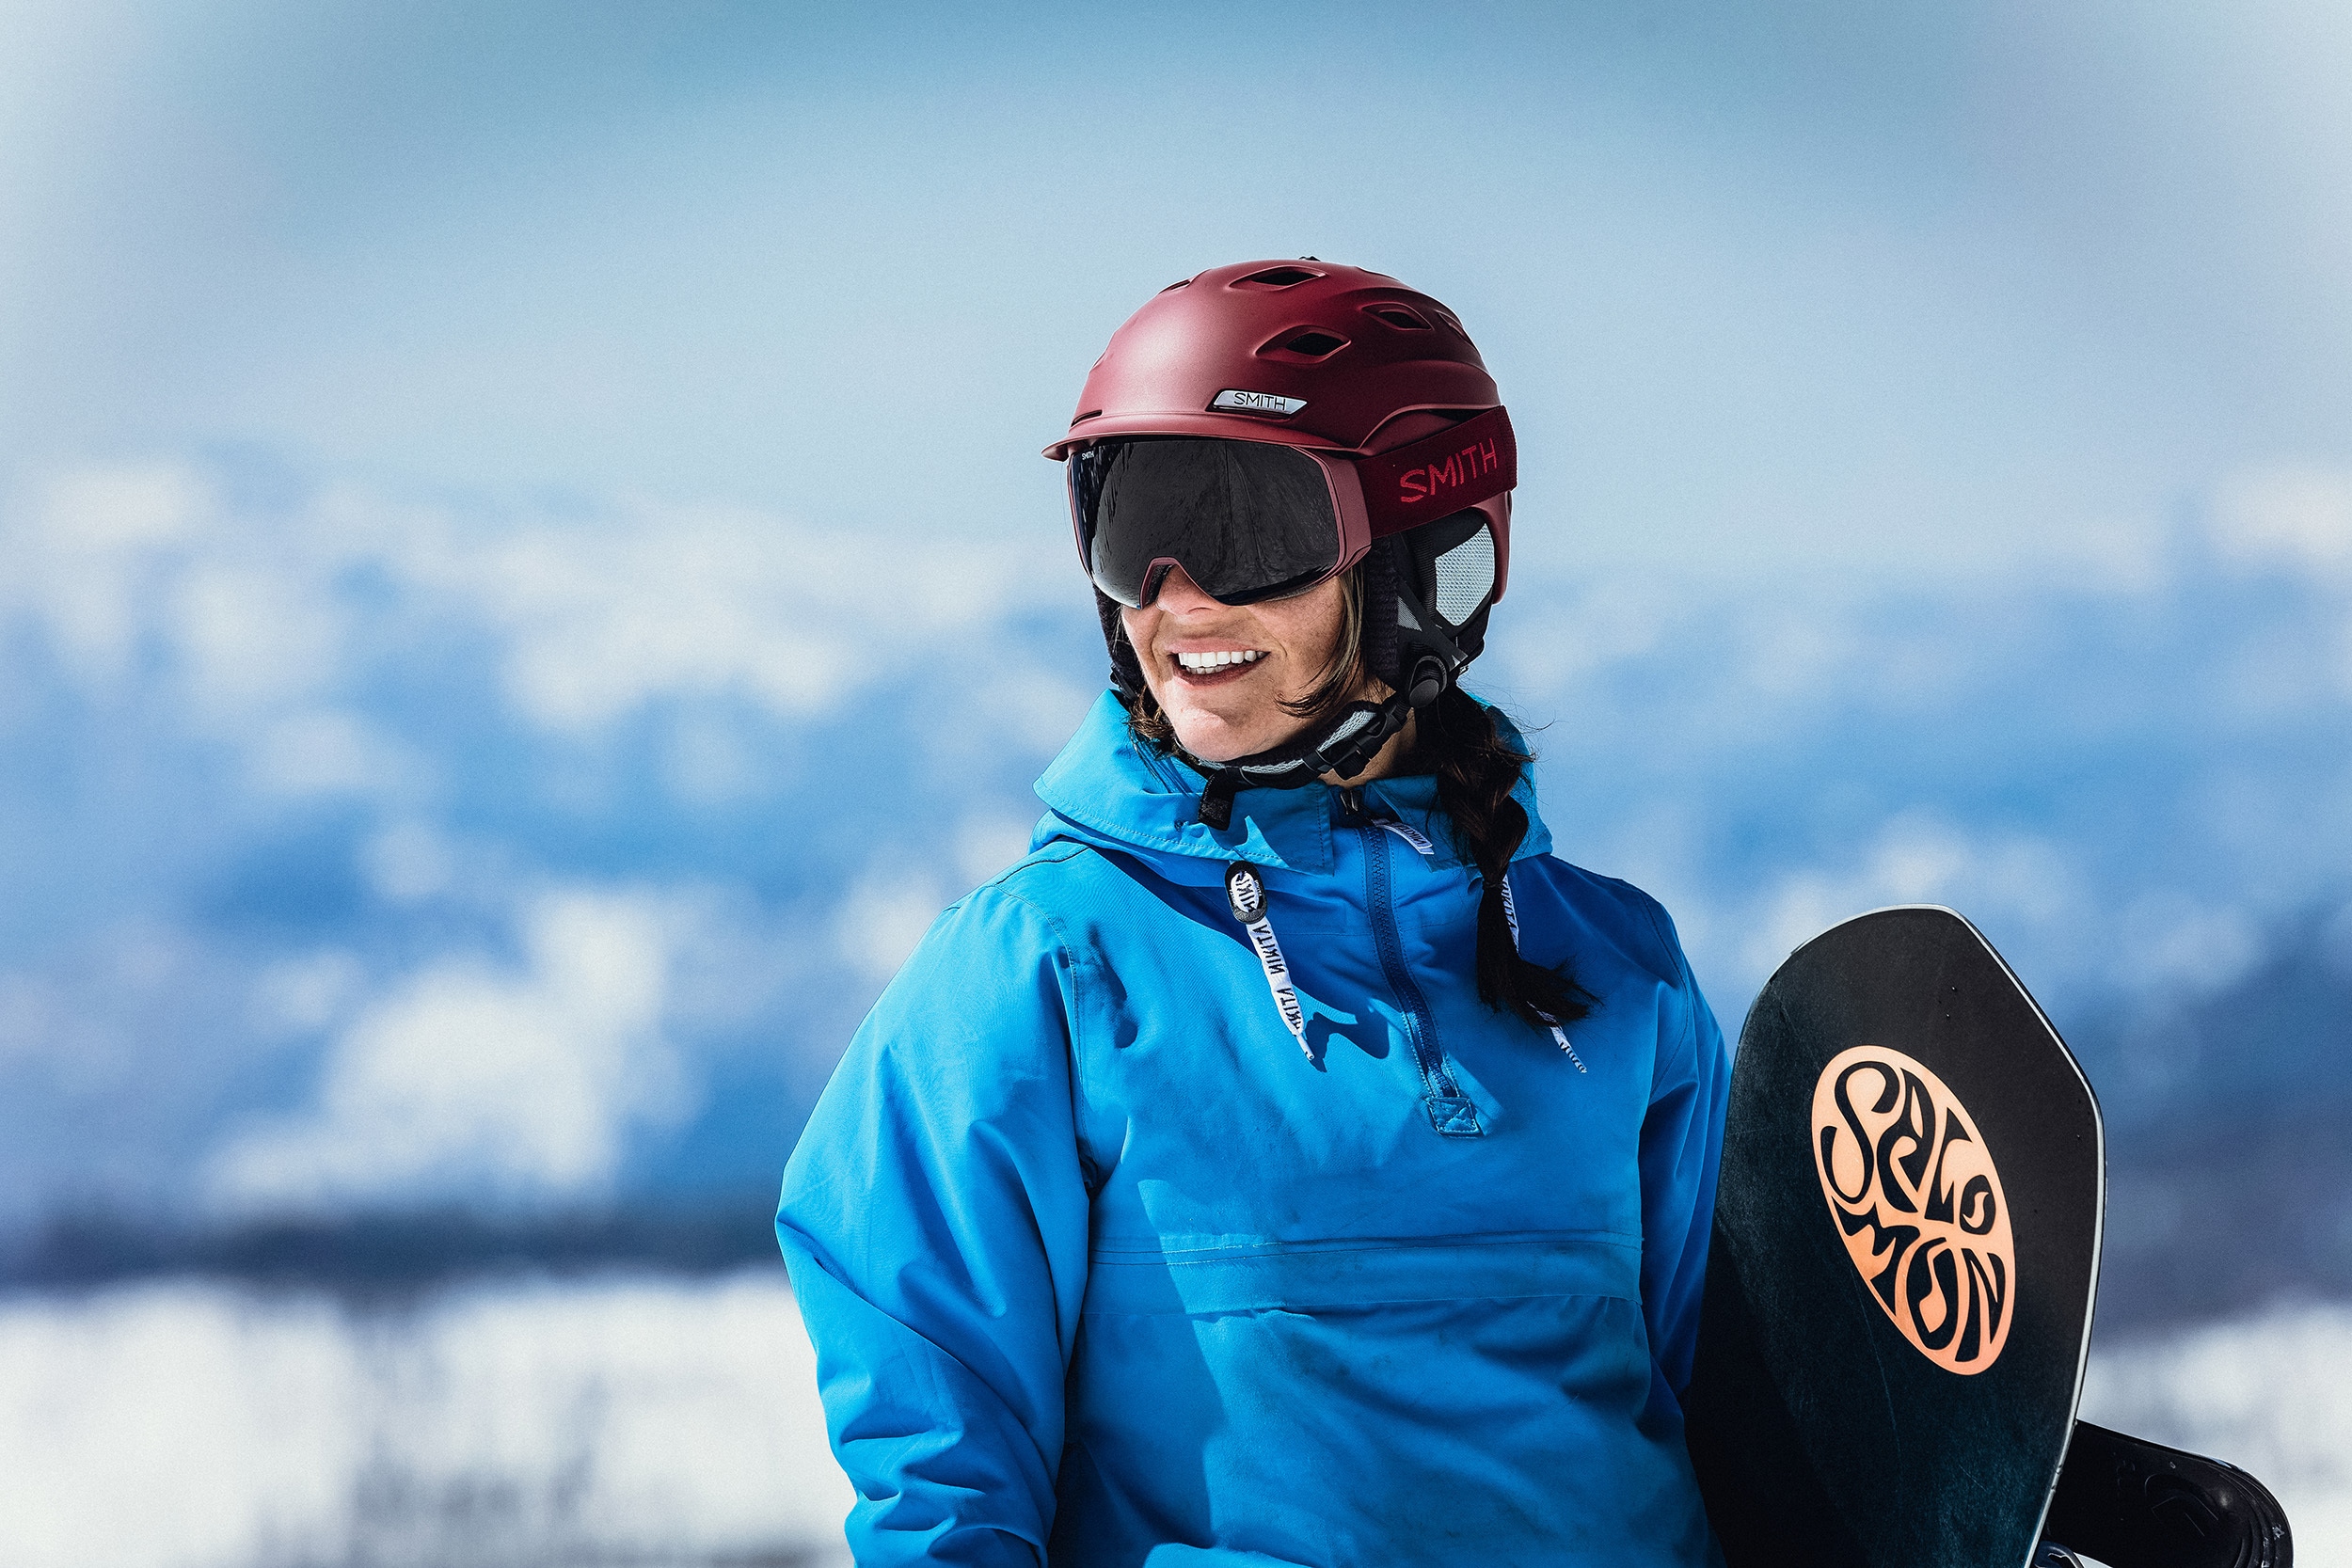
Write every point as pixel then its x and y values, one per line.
pixel 526 582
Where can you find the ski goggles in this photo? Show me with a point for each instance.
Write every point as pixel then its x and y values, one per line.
pixel 1254 520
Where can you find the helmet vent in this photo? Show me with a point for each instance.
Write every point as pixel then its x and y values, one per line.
pixel 1275 277
pixel 1090 414
pixel 1309 344
pixel 1398 316
pixel 1179 284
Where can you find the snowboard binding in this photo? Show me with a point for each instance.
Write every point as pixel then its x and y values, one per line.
pixel 1899 1296
pixel 2127 1502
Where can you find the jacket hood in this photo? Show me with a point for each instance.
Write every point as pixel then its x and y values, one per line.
pixel 1105 790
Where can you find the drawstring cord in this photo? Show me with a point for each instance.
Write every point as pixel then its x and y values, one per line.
pixel 1511 913
pixel 1245 894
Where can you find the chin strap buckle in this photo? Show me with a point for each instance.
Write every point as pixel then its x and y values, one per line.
pixel 1366 728
pixel 1347 751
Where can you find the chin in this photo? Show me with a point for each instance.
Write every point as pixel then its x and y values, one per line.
pixel 1212 743
pixel 1206 736
pixel 1212 739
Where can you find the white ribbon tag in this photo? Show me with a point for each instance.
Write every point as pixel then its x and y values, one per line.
pixel 1511 913
pixel 1245 894
pixel 1413 837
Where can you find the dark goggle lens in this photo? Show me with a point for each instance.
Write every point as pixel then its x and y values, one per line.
pixel 1248 520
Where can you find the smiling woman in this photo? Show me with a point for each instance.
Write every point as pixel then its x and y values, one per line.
pixel 1096 1266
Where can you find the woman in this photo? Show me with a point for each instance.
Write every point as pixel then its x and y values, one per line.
pixel 1289 1161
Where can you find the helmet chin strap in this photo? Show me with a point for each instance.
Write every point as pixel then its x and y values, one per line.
pixel 1347 748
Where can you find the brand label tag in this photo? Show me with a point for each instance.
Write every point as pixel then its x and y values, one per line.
pixel 1411 835
pixel 1234 400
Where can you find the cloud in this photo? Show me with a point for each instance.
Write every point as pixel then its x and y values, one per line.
pixel 593 614
pixel 1915 858
pixel 380 770
pixel 2295 519
pixel 408 861
pixel 308 991
pixel 885 915
pixel 329 751
pixel 602 617
pixel 463 1077
pixel 2299 516
pixel 2173 943
pixel 92 553
pixel 985 845
pixel 310 734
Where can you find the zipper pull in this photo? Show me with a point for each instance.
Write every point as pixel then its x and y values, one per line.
pixel 1245 894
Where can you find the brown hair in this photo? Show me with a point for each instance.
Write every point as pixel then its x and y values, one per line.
pixel 1457 739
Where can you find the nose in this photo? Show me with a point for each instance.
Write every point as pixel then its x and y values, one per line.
pixel 1178 594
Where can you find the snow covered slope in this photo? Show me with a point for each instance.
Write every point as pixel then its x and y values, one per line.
pixel 182 1425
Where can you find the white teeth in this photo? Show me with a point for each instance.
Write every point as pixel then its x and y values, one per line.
pixel 1201 663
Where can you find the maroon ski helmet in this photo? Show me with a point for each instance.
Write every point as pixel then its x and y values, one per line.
pixel 1345 363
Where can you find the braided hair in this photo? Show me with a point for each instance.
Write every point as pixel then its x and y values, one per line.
pixel 1456 738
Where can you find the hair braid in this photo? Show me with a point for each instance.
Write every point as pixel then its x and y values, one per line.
pixel 1477 770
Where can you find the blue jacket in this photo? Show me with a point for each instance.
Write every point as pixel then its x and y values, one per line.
pixel 1102 1269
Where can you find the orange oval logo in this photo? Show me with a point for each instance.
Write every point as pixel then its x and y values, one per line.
pixel 1918 1203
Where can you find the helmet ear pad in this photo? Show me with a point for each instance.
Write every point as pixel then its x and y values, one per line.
pixel 1444 577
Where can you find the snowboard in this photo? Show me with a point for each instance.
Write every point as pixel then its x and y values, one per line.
pixel 1904 1260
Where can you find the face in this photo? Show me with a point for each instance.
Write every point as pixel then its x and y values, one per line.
pixel 1222 671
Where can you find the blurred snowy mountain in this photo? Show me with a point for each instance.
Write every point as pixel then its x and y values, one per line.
pixel 369 854
pixel 676 1424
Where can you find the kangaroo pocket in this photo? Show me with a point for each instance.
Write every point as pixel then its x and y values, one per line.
pixel 1484 1400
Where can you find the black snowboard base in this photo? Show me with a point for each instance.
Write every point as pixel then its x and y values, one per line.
pixel 1904 1262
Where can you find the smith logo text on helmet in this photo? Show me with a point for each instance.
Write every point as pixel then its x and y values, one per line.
pixel 1415 486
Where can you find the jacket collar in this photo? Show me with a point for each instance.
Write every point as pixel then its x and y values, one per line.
pixel 1111 792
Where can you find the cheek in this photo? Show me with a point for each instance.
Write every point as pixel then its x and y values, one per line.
pixel 1140 626
pixel 1307 628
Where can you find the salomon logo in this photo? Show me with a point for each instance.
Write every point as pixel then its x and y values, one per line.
pixel 1913 1194
pixel 1415 486
pixel 1234 400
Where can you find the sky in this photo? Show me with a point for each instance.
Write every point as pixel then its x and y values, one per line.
pixel 526 578
pixel 1839 284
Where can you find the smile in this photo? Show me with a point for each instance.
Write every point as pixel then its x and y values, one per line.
pixel 1209 664
pixel 1221 664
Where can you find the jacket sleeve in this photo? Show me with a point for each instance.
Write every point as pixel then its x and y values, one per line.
pixel 934 1221
pixel 1682 1144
